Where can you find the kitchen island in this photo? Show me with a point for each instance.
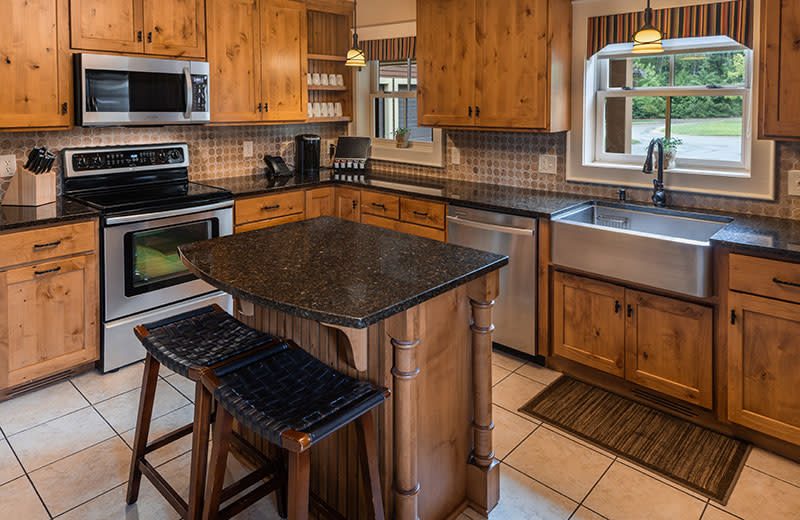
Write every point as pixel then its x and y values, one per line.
pixel 407 313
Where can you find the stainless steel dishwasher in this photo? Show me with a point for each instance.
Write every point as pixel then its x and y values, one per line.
pixel 515 309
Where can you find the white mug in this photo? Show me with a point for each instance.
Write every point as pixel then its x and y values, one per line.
pixel 323 109
pixel 340 80
pixel 331 113
pixel 310 110
pixel 310 81
pixel 338 110
pixel 324 79
pixel 315 79
pixel 332 80
pixel 317 109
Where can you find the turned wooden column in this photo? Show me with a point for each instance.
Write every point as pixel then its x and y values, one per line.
pixel 405 331
pixel 483 472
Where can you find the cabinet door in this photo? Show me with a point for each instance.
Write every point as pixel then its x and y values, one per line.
pixel 233 53
pixel 669 346
pixel 284 60
pixel 589 322
pixel 348 204
pixel 764 366
pixel 33 88
pixel 320 202
pixel 512 71
pixel 107 25
pixel 51 314
pixel 175 28
pixel 446 62
pixel 780 75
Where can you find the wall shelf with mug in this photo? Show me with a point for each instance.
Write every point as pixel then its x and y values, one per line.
pixel 330 82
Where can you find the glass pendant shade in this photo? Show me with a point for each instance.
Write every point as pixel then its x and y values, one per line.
pixel 647 39
pixel 355 56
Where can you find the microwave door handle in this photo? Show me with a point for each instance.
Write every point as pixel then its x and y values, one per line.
pixel 187 75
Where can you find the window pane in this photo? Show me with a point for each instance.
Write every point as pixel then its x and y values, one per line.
pixel 651 71
pixel 713 68
pixel 709 126
pixel 648 122
pixel 392 114
pixel 393 76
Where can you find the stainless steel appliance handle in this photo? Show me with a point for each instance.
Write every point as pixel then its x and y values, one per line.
pixel 491 227
pixel 187 75
pixel 127 219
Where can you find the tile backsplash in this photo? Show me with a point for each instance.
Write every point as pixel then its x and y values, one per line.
pixel 506 158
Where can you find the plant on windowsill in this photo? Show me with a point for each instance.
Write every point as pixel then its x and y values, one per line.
pixel 671 146
pixel 401 136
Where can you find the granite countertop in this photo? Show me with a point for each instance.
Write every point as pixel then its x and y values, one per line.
pixel 62 210
pixel 767 235
pixel 335 271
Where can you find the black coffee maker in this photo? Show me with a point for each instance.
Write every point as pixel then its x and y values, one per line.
pixel 307 149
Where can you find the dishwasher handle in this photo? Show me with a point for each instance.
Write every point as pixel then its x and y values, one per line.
pixel 491 227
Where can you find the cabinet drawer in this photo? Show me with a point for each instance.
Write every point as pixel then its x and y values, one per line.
pixel 421 212
pixel 270 206
pixel 40 244
pixel 404 227
pixel 770 278
pixel 380 204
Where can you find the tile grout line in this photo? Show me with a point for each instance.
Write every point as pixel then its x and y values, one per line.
pixel 773 476
pixel 520 443
pixel 26 475
pixel 665 480
pixel 554 490
pixel 703 512
pixel 595 485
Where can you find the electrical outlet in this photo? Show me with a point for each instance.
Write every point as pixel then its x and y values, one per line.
pixel 547 164
pixel 794 183
pixel 247 149
pixel 8 165
pixel 455 155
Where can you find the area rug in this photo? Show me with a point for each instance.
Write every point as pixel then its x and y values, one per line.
pixel 696 457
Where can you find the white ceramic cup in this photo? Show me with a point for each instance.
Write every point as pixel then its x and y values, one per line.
pixel 315 79
pixel 324 79
pixel 332 80
pixel 317 109
pixel 310 80
pixel 325 112
pixel 338 110
pixel 331 112
pixel 310 110
pixel 340 80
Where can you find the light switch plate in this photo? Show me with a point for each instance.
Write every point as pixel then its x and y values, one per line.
pixel 8 165
pixel 794 183
pixel 455 155
pixel 247 149
pixel 547 164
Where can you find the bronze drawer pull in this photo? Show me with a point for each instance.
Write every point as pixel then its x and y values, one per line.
pixel 379 206
pixel 49 244
pixel 53 270
pixel 421 214
pixel 784 282
pixel 270 208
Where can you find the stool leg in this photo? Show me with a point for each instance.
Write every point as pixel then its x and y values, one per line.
pixel 223 426
pixel 276 453
pixel 200 430
pixel 146 398
pixel 299 483
pixel 368 453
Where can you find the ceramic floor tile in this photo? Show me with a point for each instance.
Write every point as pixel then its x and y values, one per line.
pixel 121 411
pixel 151 505
pixel 183 385
pixel 577 439
pixel 506 361
pixel 509 430
pixel 522 498
pixel 19 501
pixel 560 463
pixel 29 410
pixel 78 478
pixel 514 391
pixel 624 493
pixel 9 465
pixel 586 514
pixel 538 373
pixel 162 425
pixel 774 465
pixel 498 373
pixel 712 513
pixel 60 437
pixel 758 496
pixel 98 387
pixel 663 479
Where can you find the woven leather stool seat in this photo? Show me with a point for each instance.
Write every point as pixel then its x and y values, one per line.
pixel 200 338
pixel 271 393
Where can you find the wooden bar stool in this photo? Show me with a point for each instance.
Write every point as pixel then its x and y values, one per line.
pixel 293 400
pixel 187 344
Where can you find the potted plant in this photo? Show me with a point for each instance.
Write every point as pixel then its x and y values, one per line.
pixel 671 146
pixel 401 135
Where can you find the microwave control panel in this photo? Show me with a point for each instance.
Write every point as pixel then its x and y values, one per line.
pixel 199 93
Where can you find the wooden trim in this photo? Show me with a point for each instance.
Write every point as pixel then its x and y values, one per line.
pixel 721 266
pixel 357 340
pixel 543 300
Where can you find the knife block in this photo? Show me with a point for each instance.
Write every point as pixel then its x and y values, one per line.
pixel 28 189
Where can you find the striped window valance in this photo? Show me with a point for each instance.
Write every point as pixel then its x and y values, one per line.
pixel 733 19
pixel 391 49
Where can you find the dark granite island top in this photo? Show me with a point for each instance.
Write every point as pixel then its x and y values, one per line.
pixel 335 271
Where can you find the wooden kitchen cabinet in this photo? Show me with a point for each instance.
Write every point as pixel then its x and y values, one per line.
pixel 764 365
pixel 284 60
pixel 669 346
pixel 268 210
pixel 488 64
pixel 320 202
pixel 175 28
pixel 589 322
pixel 348 204
pixel 34 65
pixel 779 98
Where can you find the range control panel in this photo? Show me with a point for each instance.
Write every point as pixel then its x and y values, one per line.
pixel 115 158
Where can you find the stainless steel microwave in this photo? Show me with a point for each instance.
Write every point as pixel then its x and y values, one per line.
pixel 124 91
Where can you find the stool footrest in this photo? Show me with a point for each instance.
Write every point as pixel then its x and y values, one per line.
pixel 249 499
pixel 168 438
pixel 321 508
pixel 164 487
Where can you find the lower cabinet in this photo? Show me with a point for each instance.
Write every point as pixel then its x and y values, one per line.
pixel 268 210
pixel 764 365
pixel 658 342
pixel 348 204
pixel 320 202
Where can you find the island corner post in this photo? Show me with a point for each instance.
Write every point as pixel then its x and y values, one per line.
pixel 435 432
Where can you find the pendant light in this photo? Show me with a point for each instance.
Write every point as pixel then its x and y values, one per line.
pixel 647 39
pixel 355 56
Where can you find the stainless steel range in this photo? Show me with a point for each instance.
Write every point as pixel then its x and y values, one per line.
pixel 149 208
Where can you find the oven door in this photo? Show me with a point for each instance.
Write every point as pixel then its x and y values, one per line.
pixel 142 269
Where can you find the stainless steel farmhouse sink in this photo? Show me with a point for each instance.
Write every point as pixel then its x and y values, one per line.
pixel 655 247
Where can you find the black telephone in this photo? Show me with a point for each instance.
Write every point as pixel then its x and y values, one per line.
pixel 276 167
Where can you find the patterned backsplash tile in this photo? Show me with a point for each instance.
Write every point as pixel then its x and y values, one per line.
pixel 505 158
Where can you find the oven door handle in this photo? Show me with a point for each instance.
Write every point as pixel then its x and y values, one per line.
pixel 187 75
pixel 141 217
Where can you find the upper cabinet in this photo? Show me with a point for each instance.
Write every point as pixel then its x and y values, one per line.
pixel 154 27
pixel 779 97
pixel 34 67
pixel 486 64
